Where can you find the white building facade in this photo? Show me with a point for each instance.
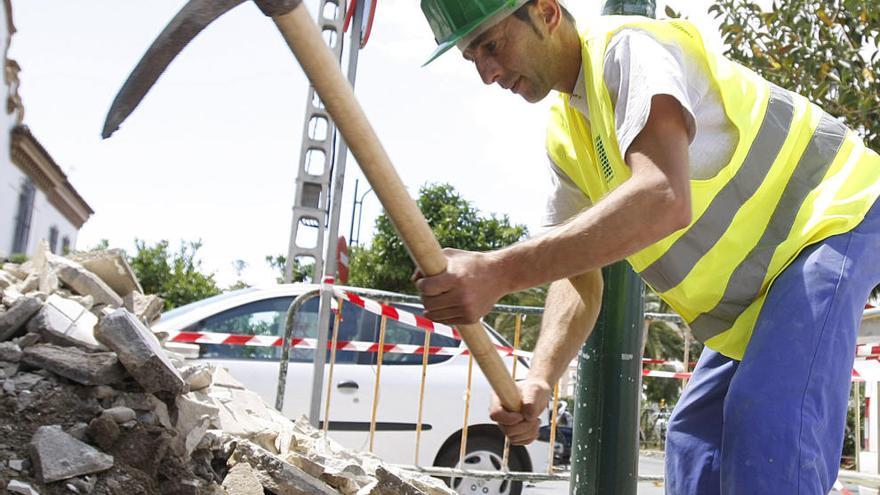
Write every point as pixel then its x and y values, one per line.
pixel 36 200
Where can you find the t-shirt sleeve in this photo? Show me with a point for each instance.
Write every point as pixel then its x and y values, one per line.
pixel 565 199
pixel 638 67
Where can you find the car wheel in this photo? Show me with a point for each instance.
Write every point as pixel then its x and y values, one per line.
pixel 484 453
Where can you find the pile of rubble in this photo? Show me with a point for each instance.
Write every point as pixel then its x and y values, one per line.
pixel 90 402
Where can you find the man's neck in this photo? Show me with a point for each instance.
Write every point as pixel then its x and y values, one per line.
pixel 570 69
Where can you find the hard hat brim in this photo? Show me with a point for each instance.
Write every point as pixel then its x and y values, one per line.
pixel 441 49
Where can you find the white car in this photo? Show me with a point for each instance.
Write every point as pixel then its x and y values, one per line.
pixel 261 311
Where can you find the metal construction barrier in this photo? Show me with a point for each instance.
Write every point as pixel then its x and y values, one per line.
pixel 386 312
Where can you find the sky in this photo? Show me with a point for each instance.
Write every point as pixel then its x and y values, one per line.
pixel 212 152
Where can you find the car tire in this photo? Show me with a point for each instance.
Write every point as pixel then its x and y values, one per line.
pixel 484 453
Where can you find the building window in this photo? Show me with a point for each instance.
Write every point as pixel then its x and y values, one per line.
pixel 65 245
pixel 53 239
pixel 23 218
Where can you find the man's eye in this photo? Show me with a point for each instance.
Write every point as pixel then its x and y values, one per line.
pixel 491 46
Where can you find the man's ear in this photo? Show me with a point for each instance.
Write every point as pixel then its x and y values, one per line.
pixel 550 14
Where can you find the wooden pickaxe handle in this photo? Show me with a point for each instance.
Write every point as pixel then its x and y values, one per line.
pixel 307 44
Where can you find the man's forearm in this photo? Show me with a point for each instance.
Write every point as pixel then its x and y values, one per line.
pixel 571 310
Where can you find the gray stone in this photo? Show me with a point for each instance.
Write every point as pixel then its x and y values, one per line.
pixel 7 369
pixel 21 487
pixel 10 352
pixel 242 480
pixel 66 323
pixel 25 381
pixel 139 352
pixel 28 340
pixel 95 368
pixel 120 414
pixel 84 282
pixel 58 456
pixel 16 464
pixel 13 321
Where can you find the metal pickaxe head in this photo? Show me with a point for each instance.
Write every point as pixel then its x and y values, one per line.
pixel 186 25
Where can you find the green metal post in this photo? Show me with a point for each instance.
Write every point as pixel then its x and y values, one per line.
pixel 605 457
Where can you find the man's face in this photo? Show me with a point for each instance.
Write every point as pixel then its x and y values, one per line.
pixel 515 55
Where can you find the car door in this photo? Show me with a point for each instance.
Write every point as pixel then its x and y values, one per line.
pixel 400 380
pixel 257 368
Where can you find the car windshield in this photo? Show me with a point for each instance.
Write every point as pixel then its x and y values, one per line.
pixel 174 313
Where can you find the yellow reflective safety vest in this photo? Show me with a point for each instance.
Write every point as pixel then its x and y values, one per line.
pixel 797 176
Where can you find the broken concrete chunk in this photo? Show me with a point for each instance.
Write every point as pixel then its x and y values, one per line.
pixel 10 352
pixel 30 284
pixel 278 476
pixel 15 270
pixel 147 308
pixel 11 295
pixel 13 321
pixel 112 267
pixel 242 480
pixel 83 281
pixel 57 456
pixel 197 377
pixel 139 352
pixel 7 280
pixel 96 368
pixel 194 418
pixel 65 322
pixel 21 487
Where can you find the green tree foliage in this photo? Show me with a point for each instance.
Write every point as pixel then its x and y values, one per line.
pixel 301 272
pixel 826 51
pixel 175 276
pixel 386 265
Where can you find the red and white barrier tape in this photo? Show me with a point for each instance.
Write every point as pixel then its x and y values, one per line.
pixel 399 315
pixel 347 345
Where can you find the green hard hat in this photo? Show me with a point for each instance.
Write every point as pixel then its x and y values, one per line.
pixel 452 20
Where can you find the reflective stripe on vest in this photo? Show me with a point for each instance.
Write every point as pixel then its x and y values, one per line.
pixel 671 269
pixel 745 283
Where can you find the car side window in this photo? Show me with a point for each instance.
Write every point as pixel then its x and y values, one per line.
pixel 264 317
pixel 398 333
pixel 356 324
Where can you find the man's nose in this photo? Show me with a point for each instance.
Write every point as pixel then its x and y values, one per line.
pixel 489 70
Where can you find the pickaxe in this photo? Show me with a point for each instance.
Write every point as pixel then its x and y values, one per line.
pixel 316 59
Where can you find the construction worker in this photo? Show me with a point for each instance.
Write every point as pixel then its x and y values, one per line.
pixel 745 207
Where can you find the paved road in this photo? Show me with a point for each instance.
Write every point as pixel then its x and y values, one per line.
pixel 648 465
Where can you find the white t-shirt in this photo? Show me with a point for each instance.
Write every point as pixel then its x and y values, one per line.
pixel 638 67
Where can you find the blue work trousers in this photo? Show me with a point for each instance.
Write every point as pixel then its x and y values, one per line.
pixel 774 422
